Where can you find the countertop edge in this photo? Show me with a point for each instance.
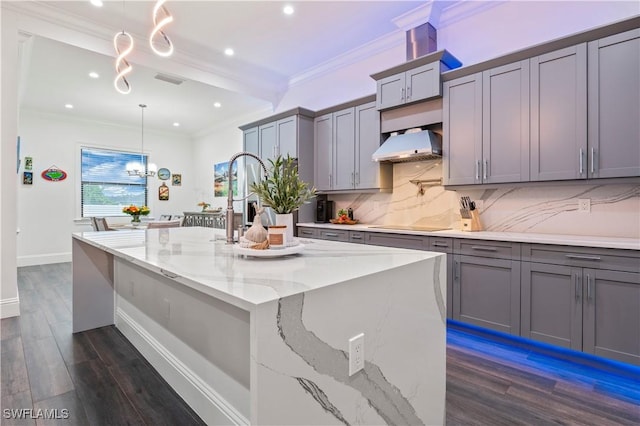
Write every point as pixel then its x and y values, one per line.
pixel 516 237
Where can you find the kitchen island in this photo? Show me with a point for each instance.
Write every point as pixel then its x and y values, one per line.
pixel 266 340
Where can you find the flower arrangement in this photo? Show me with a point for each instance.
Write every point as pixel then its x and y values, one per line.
pixel 204 205
pixel 283 190
pixel 136 212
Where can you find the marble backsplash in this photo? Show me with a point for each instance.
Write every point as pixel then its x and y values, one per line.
pixel 545 208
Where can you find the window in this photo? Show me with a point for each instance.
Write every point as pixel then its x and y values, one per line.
pixel 106 187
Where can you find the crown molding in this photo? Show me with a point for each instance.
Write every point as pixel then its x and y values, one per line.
pixel 235 122
pixel 460 10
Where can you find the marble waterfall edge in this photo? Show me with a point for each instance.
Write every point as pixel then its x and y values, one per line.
pixel 300 361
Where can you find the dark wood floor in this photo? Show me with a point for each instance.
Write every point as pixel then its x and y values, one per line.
pixel 101 379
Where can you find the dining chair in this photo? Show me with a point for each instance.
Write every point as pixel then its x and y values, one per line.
pixel 101 224
pixel 163 224
pixel 165 217
pixel 94 223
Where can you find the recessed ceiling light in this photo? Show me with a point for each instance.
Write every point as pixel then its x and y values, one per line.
pixel 176 124
pixel 96 3
pixel 68 106
pixel 229 51
pixel 288 10
pixel 94 74
pixel 217 104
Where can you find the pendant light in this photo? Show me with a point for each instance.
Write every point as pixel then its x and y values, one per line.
pixel 123 67
pixel 135 168
pixel 161 18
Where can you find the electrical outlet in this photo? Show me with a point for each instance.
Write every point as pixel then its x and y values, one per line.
pixel 584 205
pixel 356 354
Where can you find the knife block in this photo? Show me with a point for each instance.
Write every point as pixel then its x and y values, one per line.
pixel 472 224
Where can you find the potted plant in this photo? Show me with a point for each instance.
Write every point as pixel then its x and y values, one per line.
pixel 283 191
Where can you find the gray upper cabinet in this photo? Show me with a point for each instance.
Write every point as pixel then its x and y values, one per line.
pixel 559 114
pixel 462 130
pixel 323 146
pixel 287 136
pixel 614 106
pixel 250 141
pixel 410 86
pixel 505 124
pixel 268 140
pixel 344 142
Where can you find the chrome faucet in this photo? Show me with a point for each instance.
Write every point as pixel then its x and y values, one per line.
pixel 229 224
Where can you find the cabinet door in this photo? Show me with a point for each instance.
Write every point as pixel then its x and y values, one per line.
pixel 268 140
pixel 551 308
pixel 391 91
pixel 612 314
pixel 614 106
pixel 486 293
pixel 415 242
pixel 250 141
pixel 333 235
pixel 462 129
pixel 367 141
pixel 287 131
pixel 323 155
pixel 559 114
pixel 423 82
pixel 505 123
pixel 344 141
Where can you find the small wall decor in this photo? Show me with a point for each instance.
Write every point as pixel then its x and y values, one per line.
pixel 163 192
pixel 176 179
pixel 221 179
pixel 164 173
pixel 28 163
pixel 54 174
pixel 27 178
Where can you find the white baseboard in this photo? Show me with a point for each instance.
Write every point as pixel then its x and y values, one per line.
pixel 203 399
pixel 43 259
pixel 10 307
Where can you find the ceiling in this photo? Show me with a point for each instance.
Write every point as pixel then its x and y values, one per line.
pixel 271 50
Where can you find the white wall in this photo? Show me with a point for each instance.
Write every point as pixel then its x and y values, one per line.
pixel 9 302
pixel 48 212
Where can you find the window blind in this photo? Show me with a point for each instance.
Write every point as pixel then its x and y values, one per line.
pixel 106 187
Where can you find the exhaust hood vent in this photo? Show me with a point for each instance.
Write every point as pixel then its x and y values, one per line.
pixel 412 145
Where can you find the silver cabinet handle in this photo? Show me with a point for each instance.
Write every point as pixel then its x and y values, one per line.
pixel 437 244
pixel 582 257
pixel 481 248
pixel 330 234
pixel 456 270
pixel 409 93
pixel 581 161
pixel 357 178
pixel 307 232
pixel 478 170
pixel 577 279
pixel 402 94
pixel 485 169
pixel 593 156
pixel 356 237
pixel 353 181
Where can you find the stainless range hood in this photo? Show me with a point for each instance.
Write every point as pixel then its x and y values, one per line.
pixel 412 145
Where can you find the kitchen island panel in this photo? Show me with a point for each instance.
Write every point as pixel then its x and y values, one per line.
pixel 302 351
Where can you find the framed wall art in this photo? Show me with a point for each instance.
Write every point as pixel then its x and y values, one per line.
pixel 221 179
pixel 27 178
pixel 163 192
pixel 176 179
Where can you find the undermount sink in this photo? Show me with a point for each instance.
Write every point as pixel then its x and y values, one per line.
pixel 411 227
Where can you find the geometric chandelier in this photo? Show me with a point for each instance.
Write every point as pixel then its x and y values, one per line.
pixel 135 168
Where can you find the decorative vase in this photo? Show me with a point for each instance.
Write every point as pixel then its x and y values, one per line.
pixel 135 219
pixel 286 220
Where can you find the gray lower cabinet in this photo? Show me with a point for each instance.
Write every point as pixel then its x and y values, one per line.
pixel 614 106
pixel 333 235
pixel 304 232
pixel 356 237
pixel 486 284
pixel 583 299
pixel 445 245
pixel 415 242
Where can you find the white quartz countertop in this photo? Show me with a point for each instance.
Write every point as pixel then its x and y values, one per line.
pixel 200 258
pixel 518 237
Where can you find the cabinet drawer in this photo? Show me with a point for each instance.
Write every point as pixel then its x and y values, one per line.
pixel 492 249
pixel 440 245
pixel 583 257
pixel 307 232
pixel 333 235
pixel 356 237
pixel 395 240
